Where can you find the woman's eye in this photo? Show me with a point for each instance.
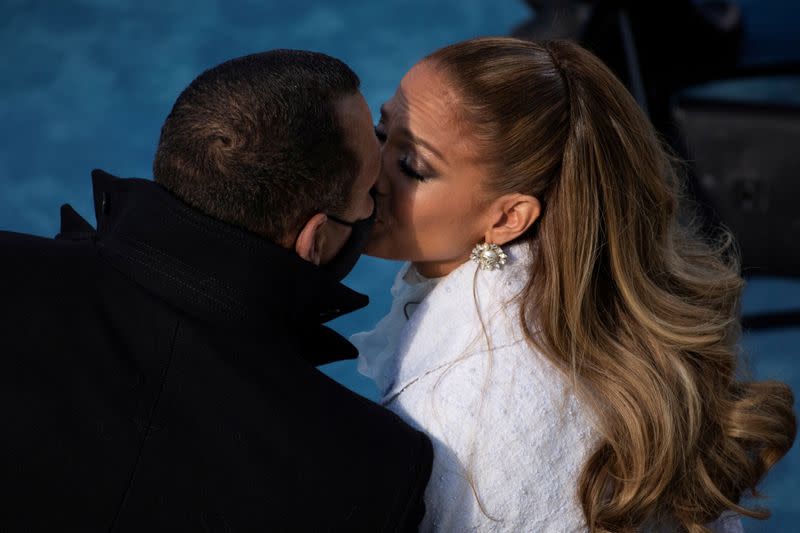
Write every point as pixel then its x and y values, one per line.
pixel 380 135
pixel 409 171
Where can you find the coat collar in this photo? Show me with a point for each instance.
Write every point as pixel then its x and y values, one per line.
pixel 448 325
pixel 219 274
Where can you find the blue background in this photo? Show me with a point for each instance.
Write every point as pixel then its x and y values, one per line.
pixel 87 84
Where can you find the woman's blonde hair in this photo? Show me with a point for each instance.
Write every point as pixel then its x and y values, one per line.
pixel 638 311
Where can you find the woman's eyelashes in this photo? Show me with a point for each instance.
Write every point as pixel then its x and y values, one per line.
pixel 380 134
pixel 408 170
pixel 405 166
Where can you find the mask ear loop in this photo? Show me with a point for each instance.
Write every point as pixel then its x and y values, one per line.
pixel 338 220
pixel 405 309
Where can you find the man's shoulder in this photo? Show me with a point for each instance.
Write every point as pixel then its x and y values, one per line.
pixel 31 263
pixel 379 450
pixel 50 283
pixel 312 438
pixel 26 251
pixel 38 267
pixel 342 418
pixel 350 404
pixel 318 396
pixel 14 243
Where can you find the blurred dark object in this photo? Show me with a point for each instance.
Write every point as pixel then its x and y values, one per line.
pixel 744 158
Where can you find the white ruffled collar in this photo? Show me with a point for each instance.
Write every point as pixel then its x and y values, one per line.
pixel 376 347
pixel 434 322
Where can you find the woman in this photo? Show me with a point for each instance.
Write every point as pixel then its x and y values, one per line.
pixel 582 375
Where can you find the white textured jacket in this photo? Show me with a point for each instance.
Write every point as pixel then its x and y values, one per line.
pixel 509 437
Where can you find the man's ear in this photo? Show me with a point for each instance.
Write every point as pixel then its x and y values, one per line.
pixel 309 242
pixel 512 215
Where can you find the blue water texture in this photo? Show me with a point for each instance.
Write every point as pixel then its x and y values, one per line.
pixel 87 84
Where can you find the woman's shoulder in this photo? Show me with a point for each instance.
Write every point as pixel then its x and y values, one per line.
pixel 509 442
pixel 463 357
pixel 509 437
pixel 510 389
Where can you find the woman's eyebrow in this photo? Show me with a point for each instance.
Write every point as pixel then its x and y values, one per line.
pixel 405 132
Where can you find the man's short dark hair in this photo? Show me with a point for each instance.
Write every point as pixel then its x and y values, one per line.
pixel 256 141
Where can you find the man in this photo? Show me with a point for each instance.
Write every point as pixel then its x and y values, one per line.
pixel 158 373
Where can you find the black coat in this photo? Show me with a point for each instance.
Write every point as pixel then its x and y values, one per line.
pixel 159 375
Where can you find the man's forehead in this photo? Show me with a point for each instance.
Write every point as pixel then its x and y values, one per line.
pixel 357 121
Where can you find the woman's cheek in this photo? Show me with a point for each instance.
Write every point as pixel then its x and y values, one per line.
pixel 402 204
pixel 385 242
pixel 399 214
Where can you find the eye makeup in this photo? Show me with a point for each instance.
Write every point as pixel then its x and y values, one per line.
pixel 409 165
pixel 407 169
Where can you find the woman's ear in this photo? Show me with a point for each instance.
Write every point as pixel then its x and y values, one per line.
pixel 511 216
pixel 309 243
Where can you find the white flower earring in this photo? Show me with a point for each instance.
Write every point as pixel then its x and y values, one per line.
pixel 489 256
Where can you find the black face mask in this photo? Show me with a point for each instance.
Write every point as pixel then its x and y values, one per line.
pixel 341 265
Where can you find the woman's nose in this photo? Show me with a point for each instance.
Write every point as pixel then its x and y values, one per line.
pixel 383 186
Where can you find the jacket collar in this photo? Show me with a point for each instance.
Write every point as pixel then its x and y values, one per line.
pixel 218 273
pixel 456 316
